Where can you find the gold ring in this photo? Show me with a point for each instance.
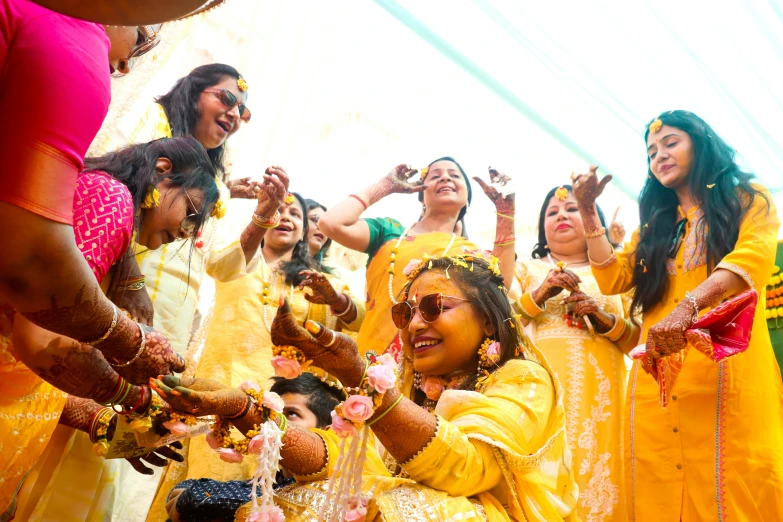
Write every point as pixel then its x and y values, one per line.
pixel 334 338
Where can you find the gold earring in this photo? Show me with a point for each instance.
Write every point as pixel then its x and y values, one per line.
pixel 152 199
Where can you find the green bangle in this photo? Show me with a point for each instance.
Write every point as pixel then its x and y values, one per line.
pixel 382 415
pixel 283 425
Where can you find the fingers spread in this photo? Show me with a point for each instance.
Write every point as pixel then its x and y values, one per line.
pixel 139 466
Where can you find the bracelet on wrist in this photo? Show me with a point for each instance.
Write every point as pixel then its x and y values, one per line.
pixel 360 200
pixel 596 233
pixel 347 308
pixel 266 222
pixel 114 319
pixel 390 408
pixel 142 345
pixel 139 403
pixel 135 283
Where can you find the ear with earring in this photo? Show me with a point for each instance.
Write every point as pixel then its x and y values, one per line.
pixel 489 356
pixel 152 199
pixel 546 247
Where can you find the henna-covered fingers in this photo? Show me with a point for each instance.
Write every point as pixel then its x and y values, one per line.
pixel 157 358
pixel 78 412
pixel 322 290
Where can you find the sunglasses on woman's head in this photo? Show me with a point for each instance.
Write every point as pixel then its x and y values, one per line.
pixel 430 307
pixel 229 100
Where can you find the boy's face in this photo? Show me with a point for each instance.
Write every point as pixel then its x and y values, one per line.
pixel 297 412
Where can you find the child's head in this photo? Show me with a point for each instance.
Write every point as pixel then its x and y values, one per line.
pixel 308 401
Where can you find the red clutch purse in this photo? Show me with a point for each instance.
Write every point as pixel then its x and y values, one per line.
pixel 721 333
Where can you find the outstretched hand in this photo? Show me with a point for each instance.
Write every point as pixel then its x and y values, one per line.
pixel 333 352
pixel 398 181
pixel 200 396
pixel 272 192
pixel 504 204
pixel 242 188
pixel 323 291
pixel 587 187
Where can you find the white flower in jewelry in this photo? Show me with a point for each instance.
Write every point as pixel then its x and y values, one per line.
pixel 269 513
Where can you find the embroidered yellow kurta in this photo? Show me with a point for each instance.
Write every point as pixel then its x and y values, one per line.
pixel 239 348
pixel 498 454
pixel 593 374
pixel 715 452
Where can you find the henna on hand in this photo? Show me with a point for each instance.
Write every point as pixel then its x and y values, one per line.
pixel 554 283
pixel 78 412
pixel 158 358
pixel 86 320
pixel 242 188
pixel 303 452
pixel 323 291
pixel 200 396
pixel 136 302
pixel 616 229
pixel 341 358
pixel 503 204
pixel 584 305
pixel 397 181
pixel 406 429
pixel 272 192
pixel 587 188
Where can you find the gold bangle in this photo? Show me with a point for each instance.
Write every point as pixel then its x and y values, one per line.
pixel 505 216
pixel 133 286
pixel 138 354
pixel 109 331
pixel 598 233
pixel 390 408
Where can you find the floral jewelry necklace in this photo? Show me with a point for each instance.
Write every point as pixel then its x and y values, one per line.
pixel 393 255
pixel 267 296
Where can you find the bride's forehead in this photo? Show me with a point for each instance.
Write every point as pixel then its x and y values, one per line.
pixel 433 282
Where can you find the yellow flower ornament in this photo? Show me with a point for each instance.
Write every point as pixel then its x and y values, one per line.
pixel 656 125
pixel 561 193
pixel 242 85
pixel 289 199
pixel 219 210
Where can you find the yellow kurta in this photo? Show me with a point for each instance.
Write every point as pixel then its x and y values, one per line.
pixel 239 348
pixel 378 331
pixel 593 373
pixel 716 451
pixel 498 454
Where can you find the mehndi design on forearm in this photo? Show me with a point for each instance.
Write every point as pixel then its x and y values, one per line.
pixel 87 319
pixel 406 429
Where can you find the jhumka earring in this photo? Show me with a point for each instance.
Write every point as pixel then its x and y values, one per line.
pixel 489 355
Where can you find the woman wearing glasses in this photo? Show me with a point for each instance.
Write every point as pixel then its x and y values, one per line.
pixel 210 105
pixel 584 336
pixel 160 191
pixel 474 429
pixel 715 452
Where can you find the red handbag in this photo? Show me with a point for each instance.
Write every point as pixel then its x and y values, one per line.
pixel 721 333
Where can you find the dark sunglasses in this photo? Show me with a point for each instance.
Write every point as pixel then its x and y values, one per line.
pixel 430 307
pixel 679 235
pixel 229 100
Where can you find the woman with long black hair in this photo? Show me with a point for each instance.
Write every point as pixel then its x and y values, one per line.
pixel 715 452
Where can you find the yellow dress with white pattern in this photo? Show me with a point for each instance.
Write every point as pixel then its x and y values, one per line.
pixel 593 373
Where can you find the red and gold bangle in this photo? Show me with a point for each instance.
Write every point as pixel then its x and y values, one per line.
pixel 135 283
pixel 360 200
pixel 134 409
pixel 263 222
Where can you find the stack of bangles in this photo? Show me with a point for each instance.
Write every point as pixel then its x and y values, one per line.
pixel 134 283
pixel 527 307
pixel 121 392
pixel 264 222
pixel 142 345
pixel 99 429
pixel 622 331
pixel 596 233
pixel 348 308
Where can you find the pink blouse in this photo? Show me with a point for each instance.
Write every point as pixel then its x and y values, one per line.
pixel 102 220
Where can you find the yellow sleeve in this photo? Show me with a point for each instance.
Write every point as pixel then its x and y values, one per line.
pixel 229 263
pixel 615 275
pixel 754 253
pixel 373 465
pixel 512 416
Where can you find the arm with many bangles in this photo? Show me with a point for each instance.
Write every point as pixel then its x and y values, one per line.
pixel 270 194
pixel 505 209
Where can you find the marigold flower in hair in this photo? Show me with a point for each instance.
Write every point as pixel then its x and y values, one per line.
pixel 219 210
pixel 561 193
pixel 242 85
pixel 656 125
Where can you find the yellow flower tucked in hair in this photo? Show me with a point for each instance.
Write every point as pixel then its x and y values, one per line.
pixel 423 173
pixel 656 125
pixel 289 199
pixel 242 85
pixel 561 193
pixel 219 210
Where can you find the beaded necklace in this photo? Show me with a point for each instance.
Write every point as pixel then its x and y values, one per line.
pixel 394 254
pixel 266 298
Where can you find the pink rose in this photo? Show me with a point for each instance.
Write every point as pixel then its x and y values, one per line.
pixel 411 266
pixel 176 427
pixel 229 455
pixel 386 359
pixel 267 514
pixel 342 427
pixel 433 387
pixel 357 408
pixel 212 441
pixel 357 510
pixel 381 377
pixel 249 385
pixel 286 368
pixel 273 401
pixel 493 352
pixel 255 445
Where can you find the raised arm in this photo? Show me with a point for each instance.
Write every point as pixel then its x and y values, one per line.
pixel 342 224
pixel 505 208
pixel 271 195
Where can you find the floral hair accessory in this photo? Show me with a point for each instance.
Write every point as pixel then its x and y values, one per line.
pixel 289 199
pixel 465 260
pixel 561 193
pixel 423 172
pixel 289 362
pixel 656 125
pixel 152 199
pixel 219 210
pixel 242 85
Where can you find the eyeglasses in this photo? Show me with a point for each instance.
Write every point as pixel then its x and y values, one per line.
pixel 147 41
pixel 191 220
pixel 430 307
pixel 229 100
